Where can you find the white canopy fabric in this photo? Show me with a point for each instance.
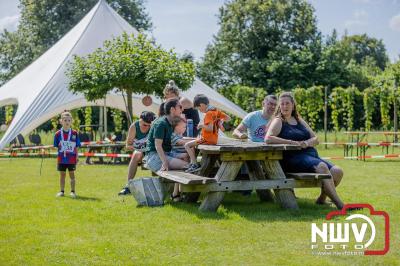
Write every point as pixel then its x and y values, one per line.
pixel 41 90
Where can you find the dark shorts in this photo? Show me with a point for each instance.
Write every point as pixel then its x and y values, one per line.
pixel 63 167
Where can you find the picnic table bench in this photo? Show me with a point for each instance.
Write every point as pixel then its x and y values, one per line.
pixel 222 163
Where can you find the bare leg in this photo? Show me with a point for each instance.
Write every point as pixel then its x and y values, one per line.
pixel 183 156
pixel 337 174
pixel 175 193
pixel 176 189
pixel 176 164
pixel 133 164
pixel 328 186
pixel 62 180
pixel 189 149
pixel 72 177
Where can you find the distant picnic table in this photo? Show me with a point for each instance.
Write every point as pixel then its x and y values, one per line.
pixel 114 147
pixel 358 139
pixel 222 163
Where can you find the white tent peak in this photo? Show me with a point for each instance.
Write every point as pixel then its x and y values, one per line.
pixel 41 89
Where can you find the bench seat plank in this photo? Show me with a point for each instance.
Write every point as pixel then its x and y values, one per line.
pixel 308 176
pixel 241 185
pixel 185 178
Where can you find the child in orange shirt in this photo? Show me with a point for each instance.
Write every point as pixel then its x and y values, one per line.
pixel 209 133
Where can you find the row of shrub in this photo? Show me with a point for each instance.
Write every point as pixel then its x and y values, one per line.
pixel 348 108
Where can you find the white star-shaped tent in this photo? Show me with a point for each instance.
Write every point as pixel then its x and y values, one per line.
pixel 41 90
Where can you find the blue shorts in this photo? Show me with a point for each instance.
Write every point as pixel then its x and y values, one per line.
pixel 153 161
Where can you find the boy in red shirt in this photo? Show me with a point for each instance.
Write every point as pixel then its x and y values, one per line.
pixel 209 133
pixel 67 141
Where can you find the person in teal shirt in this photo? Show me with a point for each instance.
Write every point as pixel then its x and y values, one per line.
pixel 136 142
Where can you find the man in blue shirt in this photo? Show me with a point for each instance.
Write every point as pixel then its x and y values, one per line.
pixel 255 123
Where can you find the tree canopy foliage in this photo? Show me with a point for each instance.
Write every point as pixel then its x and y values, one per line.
pixel 44 22
pixel 133 64
pixel 276 44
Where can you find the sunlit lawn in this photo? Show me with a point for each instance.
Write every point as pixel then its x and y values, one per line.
pixel 101 228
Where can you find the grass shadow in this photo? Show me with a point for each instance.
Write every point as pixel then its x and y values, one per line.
pixel 193 208
pixel 257 211
pixel 83 198
pixel 252 209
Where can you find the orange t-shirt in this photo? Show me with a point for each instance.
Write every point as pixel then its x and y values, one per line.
pixel 214 117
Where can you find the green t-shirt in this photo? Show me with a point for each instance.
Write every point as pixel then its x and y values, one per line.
pixel 160 129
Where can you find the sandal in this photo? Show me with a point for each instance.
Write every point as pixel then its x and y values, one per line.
pixel 327 203
pixel 176 198
pixel 354 209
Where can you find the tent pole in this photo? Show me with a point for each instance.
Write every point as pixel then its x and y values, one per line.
pixel 396 128
pixel 100 122
pixel 326 116
pixel 105 119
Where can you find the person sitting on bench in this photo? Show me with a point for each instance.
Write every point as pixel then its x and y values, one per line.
pixel 255 123
pixel 178 141
pixel 158 146
pixel 136 142
pixel 289 128
pixel 210 127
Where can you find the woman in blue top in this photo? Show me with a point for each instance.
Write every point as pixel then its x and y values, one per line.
pixel 289 128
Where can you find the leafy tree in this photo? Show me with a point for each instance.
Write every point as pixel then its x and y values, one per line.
pixel 44 22
pixel 130 64
pixel 248 98
pixel 365 47
pixel 264 44
pixel 76 121
pixel 346 62
pixel 9 114
pixel 388 91
pixel 310 104
pixel 117 119
pixel 88 118
pixel 16 52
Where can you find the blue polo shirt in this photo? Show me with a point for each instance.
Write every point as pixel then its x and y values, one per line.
pixel 256 126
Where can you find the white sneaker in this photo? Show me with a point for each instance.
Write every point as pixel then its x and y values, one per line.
pixel 73 195
pixel 60 194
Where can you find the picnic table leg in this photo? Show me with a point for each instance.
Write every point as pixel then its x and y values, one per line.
pixel 285 197
pixel 227 172
pixel 207 164
pixel 256 173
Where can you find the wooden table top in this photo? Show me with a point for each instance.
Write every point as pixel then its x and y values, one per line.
pixel 246 147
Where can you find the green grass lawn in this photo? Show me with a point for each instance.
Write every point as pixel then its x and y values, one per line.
pixel 103 229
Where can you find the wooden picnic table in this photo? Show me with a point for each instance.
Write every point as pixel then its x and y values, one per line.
pixel 262 161
pixel 220 165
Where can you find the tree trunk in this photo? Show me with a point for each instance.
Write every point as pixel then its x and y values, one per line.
pixel 129 111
